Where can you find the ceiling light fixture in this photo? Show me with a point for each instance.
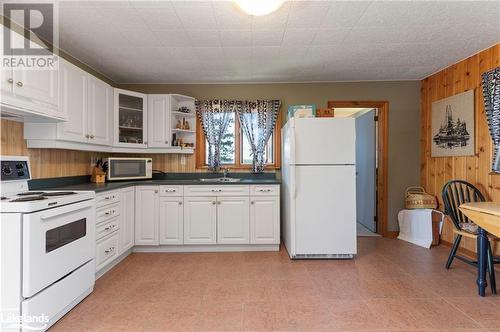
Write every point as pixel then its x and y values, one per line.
pixel 259 7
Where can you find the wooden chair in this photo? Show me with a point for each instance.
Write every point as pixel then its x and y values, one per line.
pixel 455 193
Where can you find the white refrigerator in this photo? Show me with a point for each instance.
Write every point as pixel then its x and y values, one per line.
pixel 319 187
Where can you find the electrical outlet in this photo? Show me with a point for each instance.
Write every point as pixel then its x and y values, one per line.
pixel 183 160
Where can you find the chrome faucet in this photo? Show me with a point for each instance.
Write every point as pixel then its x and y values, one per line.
pixel 226 172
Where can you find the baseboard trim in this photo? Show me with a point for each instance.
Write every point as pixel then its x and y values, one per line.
pixel 208 248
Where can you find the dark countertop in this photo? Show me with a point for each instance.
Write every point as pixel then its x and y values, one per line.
pixel 83 183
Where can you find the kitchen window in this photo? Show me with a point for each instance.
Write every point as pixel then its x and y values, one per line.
pixel 235 151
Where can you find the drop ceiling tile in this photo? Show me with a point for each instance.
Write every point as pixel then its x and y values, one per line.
pixel 330 36
pixel 196 17
pixel 299 37
pixel 202 38
pixel 267 37
pixel 141 38
pixel 160 18
pixel 236 37
pixel 209 53
pixel 266 53
pixel 344 14
pixel 172 38
pixel 306 16
pixel 122 18
pixel 93 4
pixel 151 4
pixel 237 53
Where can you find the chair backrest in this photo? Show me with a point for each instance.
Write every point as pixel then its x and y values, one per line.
pixel 455 193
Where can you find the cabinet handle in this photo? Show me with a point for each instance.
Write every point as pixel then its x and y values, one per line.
pixel 219 202
pixel 252 202
pixel 264 190
pixel 213 203
pixel 180 203
pixel 156 191
pixel 166 142
pixel 19 84
pixel 10 81
pixel 145 143
pixel 92 136
pixel 107 197
pixel 87 136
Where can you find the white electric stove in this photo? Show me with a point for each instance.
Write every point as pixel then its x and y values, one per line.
pixel 50 240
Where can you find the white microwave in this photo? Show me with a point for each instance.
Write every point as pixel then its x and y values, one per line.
pixel 129 168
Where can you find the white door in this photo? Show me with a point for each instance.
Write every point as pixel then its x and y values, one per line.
pixel 324 141
pixel 366 170
pixel 146 215
pixel 171 220
pixel 73 102
pixel 159 121
pixel 100 103
pixel 233 220
pixel 127 206
pixel 130 119
pixel 264 220
pixel 325 210
pixel 200 220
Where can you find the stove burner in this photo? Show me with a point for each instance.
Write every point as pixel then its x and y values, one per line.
pixel 2 198
pixel 30 193
pixel 58 193
pixel 28 198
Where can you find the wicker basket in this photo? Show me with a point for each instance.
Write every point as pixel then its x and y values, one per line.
pixel 417 198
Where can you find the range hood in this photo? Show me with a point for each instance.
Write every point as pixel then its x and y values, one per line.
pixel 20 114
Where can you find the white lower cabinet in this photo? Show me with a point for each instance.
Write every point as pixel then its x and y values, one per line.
pixel 147 215
pixel 171 220
pixel 126 219
pixel 200 220
pixel 106 251
pixel 233 220
pixel 264 220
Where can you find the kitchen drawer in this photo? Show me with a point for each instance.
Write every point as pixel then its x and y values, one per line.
pixel 106 198
pixel 107 228
pixel 106 250
pixel 265 190
pixel 220 190
pixel 107 212
pixel 172 191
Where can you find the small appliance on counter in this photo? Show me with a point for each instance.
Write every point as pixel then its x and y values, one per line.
pixel 47 241
pixel 129 168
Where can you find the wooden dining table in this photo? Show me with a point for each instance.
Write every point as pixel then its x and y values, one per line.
pixel 487 216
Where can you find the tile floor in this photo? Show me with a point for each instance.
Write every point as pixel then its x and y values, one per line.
pixel 392 285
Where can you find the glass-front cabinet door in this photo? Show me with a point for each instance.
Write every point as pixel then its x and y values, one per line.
pixel 130 119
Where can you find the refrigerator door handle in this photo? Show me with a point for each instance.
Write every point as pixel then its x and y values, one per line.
pixel 293 181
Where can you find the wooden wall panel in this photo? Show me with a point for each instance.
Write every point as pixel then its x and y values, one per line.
pixel 46 163
pixel 435 172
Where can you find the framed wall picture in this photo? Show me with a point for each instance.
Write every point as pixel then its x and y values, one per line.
pixel 452 126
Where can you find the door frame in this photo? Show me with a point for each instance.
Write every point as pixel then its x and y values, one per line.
pixel 382 151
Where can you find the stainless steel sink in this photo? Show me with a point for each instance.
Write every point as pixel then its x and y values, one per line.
pixel 220 180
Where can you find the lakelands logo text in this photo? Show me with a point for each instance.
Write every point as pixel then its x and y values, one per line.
pixel 25 322
pixel 29 36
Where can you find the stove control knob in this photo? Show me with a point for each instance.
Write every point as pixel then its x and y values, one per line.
pixel 19 166
pixel 20 173
pixel 6 170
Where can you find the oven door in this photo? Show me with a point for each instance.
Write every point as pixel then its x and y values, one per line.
pixel 56 242
pixel 129 168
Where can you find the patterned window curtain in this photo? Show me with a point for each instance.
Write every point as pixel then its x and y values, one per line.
pixel 491 94
pixel 215 116
pixel 257 120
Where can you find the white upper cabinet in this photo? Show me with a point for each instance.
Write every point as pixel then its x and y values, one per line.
pixel 100 108
pixel 73 93
pixel 34 90
pixel 159 121
pixel 130 119
pixel 233 220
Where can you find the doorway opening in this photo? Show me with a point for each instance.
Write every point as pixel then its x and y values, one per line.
pixel 371 162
